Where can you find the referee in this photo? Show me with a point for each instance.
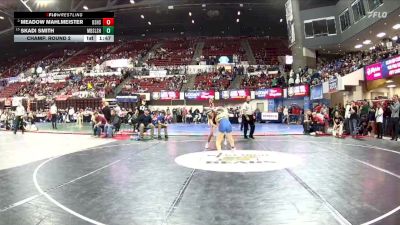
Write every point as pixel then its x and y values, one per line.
pixel 248 118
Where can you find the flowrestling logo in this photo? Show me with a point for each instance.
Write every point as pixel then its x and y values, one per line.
pixel 375 14
pixel 238 161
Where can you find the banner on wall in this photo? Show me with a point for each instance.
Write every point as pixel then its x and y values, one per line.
pixel 385 69
pixel 63 97
pixel 127 99
pixel 316 92
pixel 298 91
pixel 166 95
pixel 235 94
pixel 269 116
pixel 373 71
pixel 157 73
pixel 333 84
pixel 116 63
pixel 391 66
pixel 269 93
pixel 199 95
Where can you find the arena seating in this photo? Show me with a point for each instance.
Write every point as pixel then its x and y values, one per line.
pixel 41 89
pixel 262 81
pixel 90 56
pixel 173 52
pixel 12 89
pixel 54 59
pixel 96 84
pixel 133 49
pixel 267 50
pixel 138 85
pixel 11 68
pixel 215 80
pixel 226 46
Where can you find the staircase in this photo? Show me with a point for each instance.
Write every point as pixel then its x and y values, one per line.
pixel 149 53
pixel 235 84
pixel 197 52
pixel 119 88
pixel 190 83
pixel 72 56
pixel 115 48
pixel 249 53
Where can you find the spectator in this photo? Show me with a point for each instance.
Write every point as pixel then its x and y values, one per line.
pixel 379 120
pixel 144 122
pixel 161 124
pixel 337 130
pixel 394 119
pixel 19 118
pixel 106 111
pixel 99 124
pixel 112 125
pixel 53 113
pixel 353 119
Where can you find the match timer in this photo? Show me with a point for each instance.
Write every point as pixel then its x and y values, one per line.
pixel 64 26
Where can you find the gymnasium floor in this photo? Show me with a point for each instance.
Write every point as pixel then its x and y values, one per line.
pixel 67 179
pixel 180 129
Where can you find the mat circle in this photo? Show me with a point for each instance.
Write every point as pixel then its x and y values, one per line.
pixel 238 161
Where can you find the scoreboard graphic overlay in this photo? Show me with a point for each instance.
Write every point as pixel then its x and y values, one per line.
pixel 63 26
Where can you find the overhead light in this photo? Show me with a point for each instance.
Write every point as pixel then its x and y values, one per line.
pixel 192 21
pixel 149 23
pixel 367 42
pixel 142 16
pixel 382 34
pixel 238 13
pixel 170 7
pixel 389 81
pixel 391 86
pixel 372 48
pixel 190 13
pixel 85 7
pixel 281 20
pixel 358 46
pixel 241 5
pixel 1 17
pixel 43 3
pixel 132 1
pixel 203 5
pixel 237 20
pixel 396 27
pixel 395 38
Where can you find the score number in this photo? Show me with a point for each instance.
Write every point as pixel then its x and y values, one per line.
pixel 108 26
pixel 109 22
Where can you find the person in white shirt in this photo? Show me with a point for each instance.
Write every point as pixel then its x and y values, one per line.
pixel 71 113
pixel 248 118
pixel 118 110
pixel 285 118
pixel 347 117
pixel 379 120
pixel 53 112
pixel 19 114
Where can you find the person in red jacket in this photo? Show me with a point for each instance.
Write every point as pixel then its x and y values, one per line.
pixel 99 123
